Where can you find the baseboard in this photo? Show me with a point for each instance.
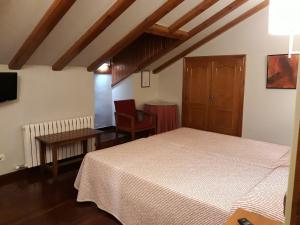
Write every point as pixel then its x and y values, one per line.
pixel 17 175
pixel 67 165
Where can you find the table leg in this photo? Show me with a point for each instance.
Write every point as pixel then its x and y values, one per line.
pixel 98 141
pixel 54 160
pixel 84 146
pixel 42 155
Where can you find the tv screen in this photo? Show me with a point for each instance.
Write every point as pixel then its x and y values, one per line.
pixel 8 86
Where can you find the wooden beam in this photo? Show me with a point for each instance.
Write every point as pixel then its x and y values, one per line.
pixel 197 10
pixel 214 18
pixel 53 15
pixel 219 15
pixel 213 35
pixel 96 29
pixel 163 31
pixel 135 33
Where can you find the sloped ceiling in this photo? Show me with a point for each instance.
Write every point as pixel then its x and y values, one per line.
pixel 208 30
pixel 17 20
pixel 19 17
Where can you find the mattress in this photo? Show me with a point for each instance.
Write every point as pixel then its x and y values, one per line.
pixel 185 176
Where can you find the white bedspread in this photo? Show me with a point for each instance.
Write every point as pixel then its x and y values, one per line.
pixel 185 176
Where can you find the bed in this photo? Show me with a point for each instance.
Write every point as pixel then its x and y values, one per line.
pixel 185 176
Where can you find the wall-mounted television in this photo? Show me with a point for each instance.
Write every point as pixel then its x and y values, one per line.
pixel 8 86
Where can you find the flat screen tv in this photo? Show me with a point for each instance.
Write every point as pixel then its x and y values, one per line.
pixel 8 86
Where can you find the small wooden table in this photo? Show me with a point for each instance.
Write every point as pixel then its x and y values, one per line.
pixel 54 141
pixel 254 218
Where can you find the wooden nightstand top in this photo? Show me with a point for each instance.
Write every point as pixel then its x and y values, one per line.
pixel 254 218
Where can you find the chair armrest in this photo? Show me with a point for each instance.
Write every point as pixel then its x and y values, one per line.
pixel 144 112
pixel 131 118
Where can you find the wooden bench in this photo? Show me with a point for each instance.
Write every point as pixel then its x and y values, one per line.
pixel 54 141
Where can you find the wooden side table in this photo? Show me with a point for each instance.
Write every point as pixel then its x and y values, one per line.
pixel 254 218
pixel 54 141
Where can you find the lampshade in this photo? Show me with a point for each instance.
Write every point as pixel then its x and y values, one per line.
pixel 284 17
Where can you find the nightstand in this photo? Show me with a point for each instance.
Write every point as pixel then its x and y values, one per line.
pixel 254 218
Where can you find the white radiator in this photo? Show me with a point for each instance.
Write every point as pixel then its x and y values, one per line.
pixel 32 147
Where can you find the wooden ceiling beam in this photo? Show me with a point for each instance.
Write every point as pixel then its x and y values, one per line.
pixel 135 33
pixel 163 31
pixel 213 35
pixel 219 15
pixel 214 18
pixel 95 30
pixel 50 19
pixel 197 10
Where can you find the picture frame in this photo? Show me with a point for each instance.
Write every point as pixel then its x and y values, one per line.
pixel 145 78
pixel 282 71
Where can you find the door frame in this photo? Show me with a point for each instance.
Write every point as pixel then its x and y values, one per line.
pixel 295 205
pixel 243 72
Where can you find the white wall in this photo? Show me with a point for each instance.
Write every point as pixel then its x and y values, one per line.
pixel 43 95
pixel 268 114
pixel 103 103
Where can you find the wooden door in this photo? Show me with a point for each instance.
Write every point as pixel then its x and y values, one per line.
pixel 226 95
pixel 213 92
pixel 195 93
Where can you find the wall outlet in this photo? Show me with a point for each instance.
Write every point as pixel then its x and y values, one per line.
pixel 2 157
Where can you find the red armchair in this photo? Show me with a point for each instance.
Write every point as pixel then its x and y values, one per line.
pixel 131 120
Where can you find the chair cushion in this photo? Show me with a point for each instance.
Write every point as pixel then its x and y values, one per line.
pixel 139 125
pixel 145 124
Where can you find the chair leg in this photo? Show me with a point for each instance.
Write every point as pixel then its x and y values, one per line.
pixel 117 137
pixel 132 135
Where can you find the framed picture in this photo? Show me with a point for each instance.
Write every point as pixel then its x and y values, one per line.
pixel 282 71
pixel 145 79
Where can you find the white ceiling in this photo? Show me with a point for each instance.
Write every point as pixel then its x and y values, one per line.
pixel 19 17
pixel 17 20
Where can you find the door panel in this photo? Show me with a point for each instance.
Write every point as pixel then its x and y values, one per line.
pixel 195 116
pixel 195 93
pixel 226 89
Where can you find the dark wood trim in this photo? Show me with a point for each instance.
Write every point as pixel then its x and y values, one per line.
pixel 163 31
pixel 197 10
pixel 137 54
pixel 135 33
pixel 295 214
pixel 95 30
pixel 213 35
pixel 50 19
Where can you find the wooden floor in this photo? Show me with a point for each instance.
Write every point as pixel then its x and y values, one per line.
pixel 34 199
